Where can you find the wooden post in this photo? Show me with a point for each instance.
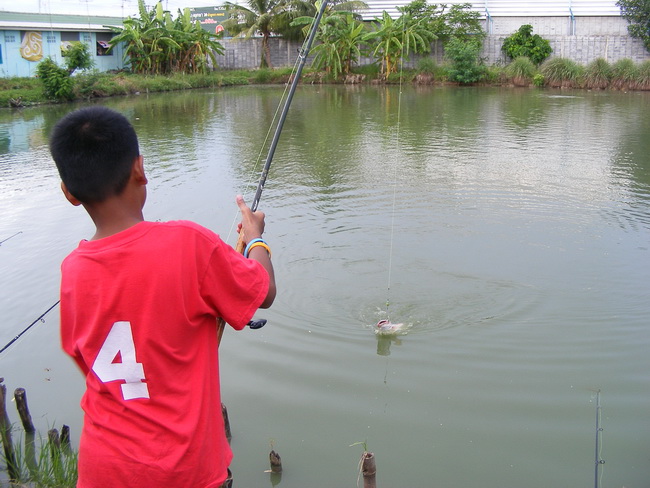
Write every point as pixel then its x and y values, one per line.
pixel 276 468
pixel 276 462
pixel 30 432
pixel 55 446
pixel 369 470
pixel 226 422
pixel 65 439
pixel 23 410
pixel 5 434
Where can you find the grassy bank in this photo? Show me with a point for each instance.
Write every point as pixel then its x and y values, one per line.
pixel 29 91
pixel 555 72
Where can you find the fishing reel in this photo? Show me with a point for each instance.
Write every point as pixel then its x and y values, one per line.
pixel 257 324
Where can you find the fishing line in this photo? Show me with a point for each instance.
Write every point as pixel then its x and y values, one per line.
pixel 298 66
pixel 5 240
pixel 281 110
pixel 39 319
pixel 395 175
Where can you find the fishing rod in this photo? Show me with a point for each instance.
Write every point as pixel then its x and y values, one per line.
pixel 39 319
pixel 5 240
pixel 302 56
pixel 302 59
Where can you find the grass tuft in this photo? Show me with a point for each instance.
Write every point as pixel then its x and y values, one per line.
pixel 598 74
pixel 561 73
pixel 521 71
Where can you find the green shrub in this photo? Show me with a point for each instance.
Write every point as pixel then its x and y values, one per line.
pixel 494 74
pixel 597 74
pixel 77 56
pixel 624 72
pixel 464 56
pixel 56 80
pixel 521 71
pixel 538 80
pixel 642 79
pixel 370 70
pixel 524 43
pixel 427 65
pixel 561 72
pixel 262 75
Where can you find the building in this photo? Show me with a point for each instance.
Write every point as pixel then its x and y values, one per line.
pixel 28 38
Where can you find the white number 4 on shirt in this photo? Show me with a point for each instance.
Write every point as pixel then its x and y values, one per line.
pixel 120 341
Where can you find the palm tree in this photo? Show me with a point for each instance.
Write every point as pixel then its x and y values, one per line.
pixel 196 44
pixel 156 44
pixel 340 35
pixel 266 17
pixel 394 39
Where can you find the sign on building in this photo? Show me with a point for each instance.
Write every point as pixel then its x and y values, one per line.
pixel 210 18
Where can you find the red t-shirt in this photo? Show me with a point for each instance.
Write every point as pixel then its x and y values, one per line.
pixel 138 314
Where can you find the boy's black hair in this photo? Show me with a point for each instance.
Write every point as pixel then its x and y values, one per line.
pixel 94 149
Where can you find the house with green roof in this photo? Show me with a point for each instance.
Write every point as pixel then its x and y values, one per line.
pixel 28 38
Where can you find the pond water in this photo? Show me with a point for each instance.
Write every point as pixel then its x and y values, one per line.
pixel 509 230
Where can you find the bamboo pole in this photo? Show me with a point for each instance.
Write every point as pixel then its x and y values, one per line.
pixel 369 470
pixel 5 433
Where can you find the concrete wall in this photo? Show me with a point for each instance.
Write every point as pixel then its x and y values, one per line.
pixel 592 38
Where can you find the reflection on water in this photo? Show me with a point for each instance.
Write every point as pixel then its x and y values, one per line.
pixel 507 229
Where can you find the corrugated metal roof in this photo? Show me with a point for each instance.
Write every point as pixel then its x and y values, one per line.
pixel 27 21
pixel 511 8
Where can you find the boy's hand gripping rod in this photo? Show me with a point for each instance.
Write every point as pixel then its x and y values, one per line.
pixel 302 58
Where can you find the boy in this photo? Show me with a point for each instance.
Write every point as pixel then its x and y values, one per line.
pixel 139 304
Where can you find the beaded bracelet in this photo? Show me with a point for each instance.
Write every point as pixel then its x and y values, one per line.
pixel 259 244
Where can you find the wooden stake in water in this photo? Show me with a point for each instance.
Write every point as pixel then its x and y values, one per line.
pixel 599 433
pixel 20 395
pixel 5 434
pixel 369 470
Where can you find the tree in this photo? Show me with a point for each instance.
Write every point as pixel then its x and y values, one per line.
pixel 393 39
pixel 464 56
pixel 157 44
pixel 299 10
pixel 77 56
pixel 637 13
pixel 266 17
pixel 524 43
pixel 339 34
pixel 459 20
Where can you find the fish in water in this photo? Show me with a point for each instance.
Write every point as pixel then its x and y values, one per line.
pixel 386 327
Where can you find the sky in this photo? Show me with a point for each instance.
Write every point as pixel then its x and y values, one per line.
pixel 114 8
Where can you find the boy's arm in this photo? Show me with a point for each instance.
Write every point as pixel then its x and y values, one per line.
pixel 252 227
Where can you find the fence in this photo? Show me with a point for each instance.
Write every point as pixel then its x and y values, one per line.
pixel 599 37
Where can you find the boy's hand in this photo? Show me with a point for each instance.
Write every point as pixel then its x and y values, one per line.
pixel 251 227
pixel 252 223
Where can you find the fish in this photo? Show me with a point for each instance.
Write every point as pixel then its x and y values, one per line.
pixel 386 327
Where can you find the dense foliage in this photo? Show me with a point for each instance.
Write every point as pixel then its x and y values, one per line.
pixel 77 56
pixel 158 44
pixel 56 80
pixel 525 43
pixel 464 56
pixel 637 13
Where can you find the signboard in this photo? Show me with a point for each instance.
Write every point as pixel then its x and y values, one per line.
pixel 210 18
